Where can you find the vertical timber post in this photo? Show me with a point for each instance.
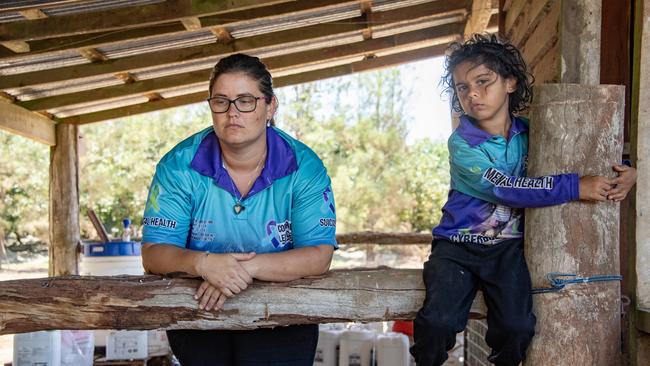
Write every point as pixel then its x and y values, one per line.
pixel 575 128
pixel 641 120
pixel 64 201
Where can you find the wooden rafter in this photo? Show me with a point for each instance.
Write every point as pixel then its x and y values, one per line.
pixel 123 18
pixel 248 44
pixel 99 39
pixel 479 17
pixel 22 122
pixel 415 39
pixel 359 66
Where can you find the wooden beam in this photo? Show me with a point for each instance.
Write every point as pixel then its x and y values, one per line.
pixel 479 17
pixel 360 66
pixel 100 39
pixel 191 23
pixel 423 37
pixel 31 4
pixel 122 18
pixel 249 44
pixel 16 46
pixel 151 302
pixel 64 202
pixel 22 122
pixel 33 14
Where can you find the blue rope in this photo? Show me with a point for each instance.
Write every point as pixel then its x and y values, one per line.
pixel 559 280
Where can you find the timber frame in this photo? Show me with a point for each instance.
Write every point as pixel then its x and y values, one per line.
pixel 65 61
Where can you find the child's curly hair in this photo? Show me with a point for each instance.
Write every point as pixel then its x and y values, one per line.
pixel 497 55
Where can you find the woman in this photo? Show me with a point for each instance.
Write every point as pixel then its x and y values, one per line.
pixel 235 202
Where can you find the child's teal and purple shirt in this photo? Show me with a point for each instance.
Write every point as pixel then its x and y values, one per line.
pixel 191 200
pixel 489 187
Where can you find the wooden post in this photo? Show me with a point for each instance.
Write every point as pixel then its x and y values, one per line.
pixel 575 128
pixel 641 150
pixel 64 201
pixel 579 38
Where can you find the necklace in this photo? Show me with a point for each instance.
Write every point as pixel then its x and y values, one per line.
pixel 238 207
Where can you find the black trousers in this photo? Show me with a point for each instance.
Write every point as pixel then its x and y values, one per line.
pixel 282 346
pixel 452 275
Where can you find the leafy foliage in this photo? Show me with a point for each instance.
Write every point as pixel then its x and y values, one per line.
pixel 356 124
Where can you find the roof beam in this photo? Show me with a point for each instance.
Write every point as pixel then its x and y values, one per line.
pixel 123 18
pixel 248 44
pixel 359 66
pixel 32 4
pixel 478 19
pixel 99 39
pixel 29 124
pixel 414 39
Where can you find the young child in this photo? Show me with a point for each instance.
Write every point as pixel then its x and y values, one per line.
pixel 479 241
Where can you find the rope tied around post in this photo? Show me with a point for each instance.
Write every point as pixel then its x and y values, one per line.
pixel 559 280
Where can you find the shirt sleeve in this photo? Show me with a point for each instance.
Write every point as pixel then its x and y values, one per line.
pixel 313 214
pixel 476 175
pixel 166 218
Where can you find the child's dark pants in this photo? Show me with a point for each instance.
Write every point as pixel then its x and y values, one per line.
pixel 452 275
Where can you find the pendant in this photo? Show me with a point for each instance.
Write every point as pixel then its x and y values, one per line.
pixel 238 208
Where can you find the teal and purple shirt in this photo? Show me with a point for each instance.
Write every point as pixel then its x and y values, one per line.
pixel 489 187
pixel 192 197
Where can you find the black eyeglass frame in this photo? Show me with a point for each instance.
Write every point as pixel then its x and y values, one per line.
pixel 234 101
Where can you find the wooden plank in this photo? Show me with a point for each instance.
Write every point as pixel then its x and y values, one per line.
pixel 528 21
pixel 22 122
pixel 513 14
pixel 100 39
pixel 544 36
pixel 365 65
pixel 122 18
pixel 248 44
pixel 64 202
pixel 547 69
pixel 423 37
pixel 151 302
pixel 16 46
pixel 33 14
pixel 479 17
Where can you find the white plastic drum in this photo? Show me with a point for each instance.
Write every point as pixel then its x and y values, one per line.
pixel 356 348
pixel 37 348
pixel 392 349
pixel 327 350
pixel 110 259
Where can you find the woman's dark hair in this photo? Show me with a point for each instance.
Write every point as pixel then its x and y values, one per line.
pixel 497 55
pixel 249 65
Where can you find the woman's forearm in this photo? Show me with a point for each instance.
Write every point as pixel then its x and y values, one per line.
pixel 291 264
pixel 165 259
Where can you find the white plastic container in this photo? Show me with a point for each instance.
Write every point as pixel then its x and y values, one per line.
pixel 37 348
pixel 327 349
pixel 158 344
pixel 126 345
pixel 77 347
pixel 110 259
pixel 392 349
pixel 356 348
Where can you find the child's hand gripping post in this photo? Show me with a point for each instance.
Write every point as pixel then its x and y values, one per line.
pixel 623 183
pixel 595 188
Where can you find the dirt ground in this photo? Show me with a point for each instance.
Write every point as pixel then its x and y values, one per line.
pixel 24 266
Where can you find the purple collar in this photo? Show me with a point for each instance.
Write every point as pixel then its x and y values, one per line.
pixel 280 162
pixel 476 136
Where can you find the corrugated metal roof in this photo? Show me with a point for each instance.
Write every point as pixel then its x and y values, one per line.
pixel 331 12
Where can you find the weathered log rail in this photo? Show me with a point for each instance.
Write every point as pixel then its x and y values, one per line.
pixel 151 302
